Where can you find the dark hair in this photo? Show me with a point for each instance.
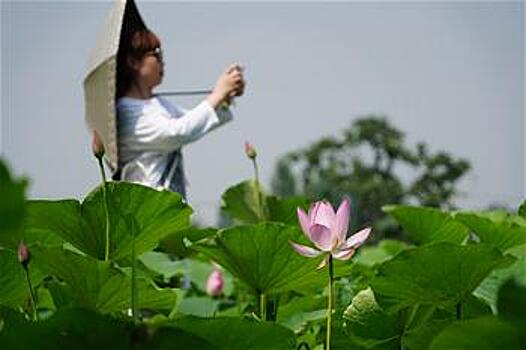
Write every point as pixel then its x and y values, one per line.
pixel 134 45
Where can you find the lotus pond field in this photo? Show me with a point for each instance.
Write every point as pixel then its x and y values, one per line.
pixel 124 268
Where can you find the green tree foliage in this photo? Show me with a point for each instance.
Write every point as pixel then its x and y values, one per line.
pixel 364 163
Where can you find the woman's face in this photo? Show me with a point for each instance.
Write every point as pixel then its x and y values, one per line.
pixel 150 68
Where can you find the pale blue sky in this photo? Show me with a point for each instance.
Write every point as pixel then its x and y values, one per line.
pixel 448 73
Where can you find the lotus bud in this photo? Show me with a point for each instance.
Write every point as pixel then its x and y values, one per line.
pixel 97 145
pixel 250 151
pixel 215 283
pixel 23 254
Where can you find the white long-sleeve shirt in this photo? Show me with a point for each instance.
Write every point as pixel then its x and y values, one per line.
pixel 150 131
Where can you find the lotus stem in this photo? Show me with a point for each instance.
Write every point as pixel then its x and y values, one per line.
pixel 459 310
pixel 134 280
pixel 240 299
pixel 106 211
pixel 262 306
pixel 258 189
pixel 256 172
pixel 329 306
pixel 412 314
pixel 272 309
pixel 32 294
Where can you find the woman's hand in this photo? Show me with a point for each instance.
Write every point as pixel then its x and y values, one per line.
pixel 229 84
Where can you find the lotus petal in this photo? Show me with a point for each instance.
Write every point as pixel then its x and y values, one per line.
pixel 325 215
pixel 342 219
pixel 357 239
pixel 321 236
pixel 304 250
pixel 344 254
pixel 304 222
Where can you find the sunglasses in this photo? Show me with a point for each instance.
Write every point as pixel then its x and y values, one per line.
pixel 157 53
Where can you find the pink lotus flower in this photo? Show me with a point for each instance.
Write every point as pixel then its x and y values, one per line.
pixel 328 230
pixel 23 254
pixel 250 151
pixel 96 145
pixel 215 283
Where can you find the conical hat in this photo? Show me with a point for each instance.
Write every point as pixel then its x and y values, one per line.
pixel 101 78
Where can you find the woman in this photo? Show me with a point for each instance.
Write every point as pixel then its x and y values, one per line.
pixel 152 131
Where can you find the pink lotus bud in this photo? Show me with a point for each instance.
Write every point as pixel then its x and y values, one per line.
pixel 96 145
pixel 250 151
pixel 215 283
pixel 23 254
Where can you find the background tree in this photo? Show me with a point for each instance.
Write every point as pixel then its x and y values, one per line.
pixel 366 163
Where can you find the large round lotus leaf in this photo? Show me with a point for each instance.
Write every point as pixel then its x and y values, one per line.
pixel 374 255
pixel 66 329
pixel 498 229
pixel 367 322
pixel 51 223
pixel 369 326
pixel 426 225
pixel 81 329
pixel 157 214
pixel 235 333
pixel 512 304
pixel 485 333
pixel 439 274
pixel 14 290
pixel 176 243
pixel 247 202
pixel 489 288
pixel 284 209
pixel 261 256
pixel 298 312
pixel 97 285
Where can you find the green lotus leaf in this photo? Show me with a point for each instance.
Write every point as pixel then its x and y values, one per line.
pixel 512 304
pixel 66 329
pixel 176 243
pixel 498 229
pixel 248 203
pixel 488 333
pixel 426 225
pixel 13 283
pixel 367 323
pixel 157 214
pixel 489 288
pixel 98 285
pixel 82 329
pixel 235 333
pixel 385 250
pixel 261 256
pixel 439 274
